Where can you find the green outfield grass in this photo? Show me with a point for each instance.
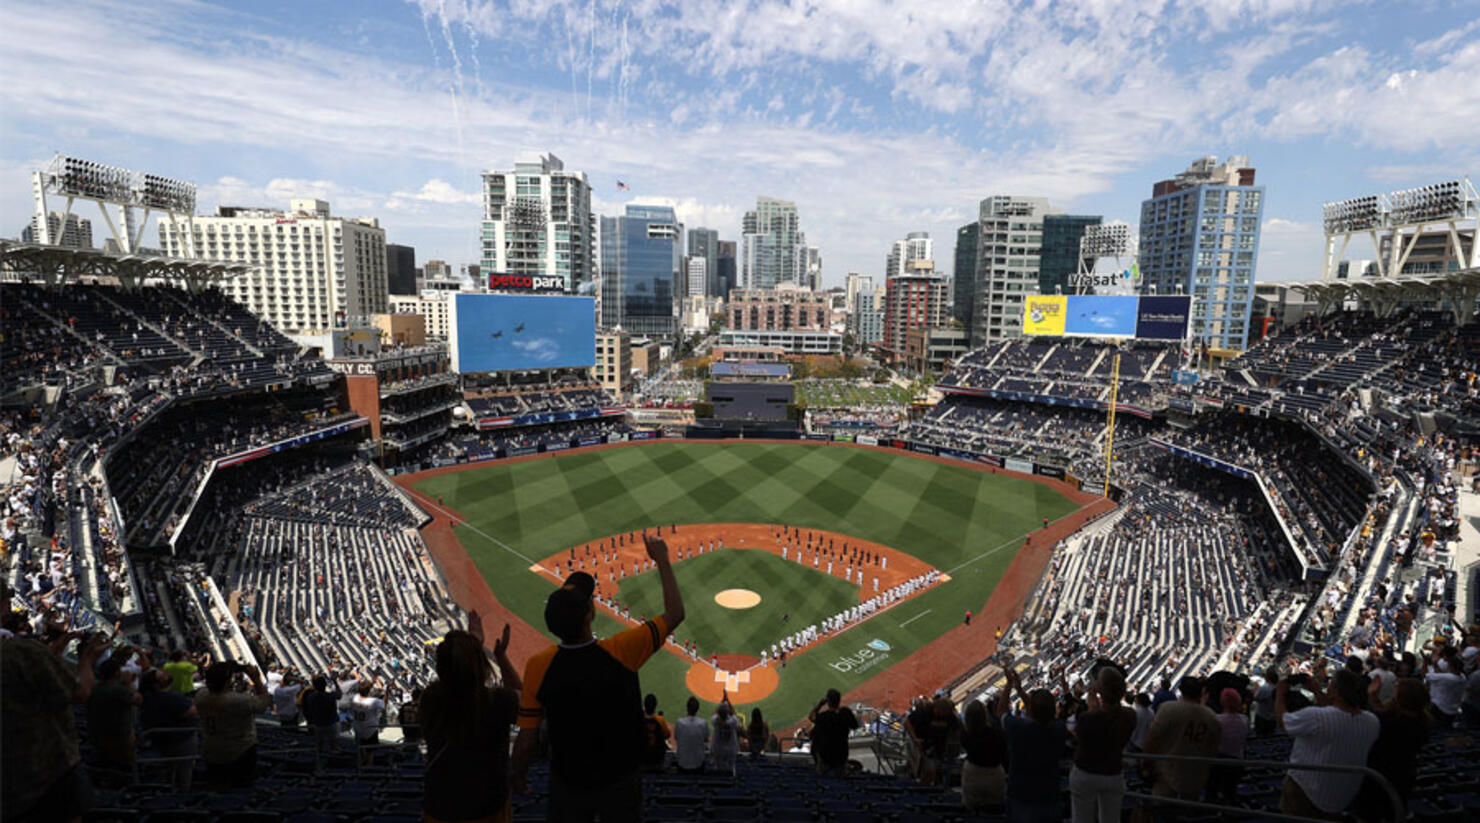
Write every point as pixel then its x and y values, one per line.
pixel 962 521
pixel 793 596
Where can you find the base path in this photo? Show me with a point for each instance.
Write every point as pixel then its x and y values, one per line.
pixel 927 669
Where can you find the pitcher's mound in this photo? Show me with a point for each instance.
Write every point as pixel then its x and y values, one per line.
pixel 738 599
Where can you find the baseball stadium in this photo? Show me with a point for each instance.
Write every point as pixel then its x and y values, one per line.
pixel 265 574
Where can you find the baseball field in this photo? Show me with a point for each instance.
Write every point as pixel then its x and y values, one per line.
pixel 515 518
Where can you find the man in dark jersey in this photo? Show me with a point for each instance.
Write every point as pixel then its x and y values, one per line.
pixel 586 688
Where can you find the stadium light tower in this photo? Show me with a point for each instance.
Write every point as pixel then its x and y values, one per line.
pixel 126 192
pixel 1113 240
pixel 1402 217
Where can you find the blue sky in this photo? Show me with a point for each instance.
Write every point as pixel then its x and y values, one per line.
pixel 878 118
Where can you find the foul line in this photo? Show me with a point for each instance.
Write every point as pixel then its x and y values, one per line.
pixel 916 617
pixel 456 520
pixel 990 552
pixel 1020 538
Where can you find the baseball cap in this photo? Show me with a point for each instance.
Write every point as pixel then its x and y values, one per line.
pixel 565 609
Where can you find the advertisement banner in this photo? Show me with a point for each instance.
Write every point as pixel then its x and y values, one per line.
pixel 1186 377
pixel 990 460
pixel 1093 315
pixel 558 446
pixel 866 440
pixel 1073 480
pixel 1055 472
pixel 1014 464
pixel 922 448
pixel 898 444
pixel 519 451
pixel 818 436
pixel 589 441
pixel 617 437
pixel 966 457
pixel 642 436
pixel 1043 314
pixel 843 438
pixel 1163 317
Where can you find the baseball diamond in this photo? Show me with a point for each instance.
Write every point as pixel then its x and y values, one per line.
pixel 525 523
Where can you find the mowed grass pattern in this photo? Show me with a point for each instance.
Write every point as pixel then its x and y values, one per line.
pixel 956 518
pixel 793 597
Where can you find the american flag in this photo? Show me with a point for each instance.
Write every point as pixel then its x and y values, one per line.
pixel 623 186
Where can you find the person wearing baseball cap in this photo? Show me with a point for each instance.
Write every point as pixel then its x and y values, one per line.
pixel 587 691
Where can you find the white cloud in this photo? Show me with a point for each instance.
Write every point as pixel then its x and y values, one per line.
pixel 1290 250
pixel 943 103
pixel 440 191
pixel 539 349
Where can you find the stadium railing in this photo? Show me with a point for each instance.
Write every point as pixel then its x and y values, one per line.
pixel 1282 765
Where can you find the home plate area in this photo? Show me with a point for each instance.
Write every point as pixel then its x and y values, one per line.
pixel 731 680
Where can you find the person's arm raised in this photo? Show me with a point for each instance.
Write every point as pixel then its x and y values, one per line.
pixel 507 670
pixel 657 550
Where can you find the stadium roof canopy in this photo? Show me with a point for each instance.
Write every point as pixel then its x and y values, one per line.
pixel 1457 290
pixel 56 264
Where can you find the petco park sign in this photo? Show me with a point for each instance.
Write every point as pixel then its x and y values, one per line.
pixel 526 281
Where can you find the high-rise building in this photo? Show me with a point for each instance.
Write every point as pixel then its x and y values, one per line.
pixel 1059 259
pixel 772 245
pixel 76 234
pixel 538 230
pixel 641 262
pixel 726 274
pixel 695 276
pixel 1009 242
pixel 913 300
pixel 1200 236
pixel 854 284
pixel 964 276
pixel 400 268
pixel 704 244
pixel 916 245
pixel 310 271
pixel 811 268
pixel 437 270
pixel 866 322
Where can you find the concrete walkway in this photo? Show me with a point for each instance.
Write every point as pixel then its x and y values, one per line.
pixel 1467 554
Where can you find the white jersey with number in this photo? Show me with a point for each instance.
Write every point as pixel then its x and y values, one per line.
pixel 365 715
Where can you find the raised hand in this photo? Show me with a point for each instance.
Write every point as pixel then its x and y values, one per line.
pixel 501 646
pixel 475 625
pixel 657 548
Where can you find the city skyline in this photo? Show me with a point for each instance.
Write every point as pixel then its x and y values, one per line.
pixel 437 98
